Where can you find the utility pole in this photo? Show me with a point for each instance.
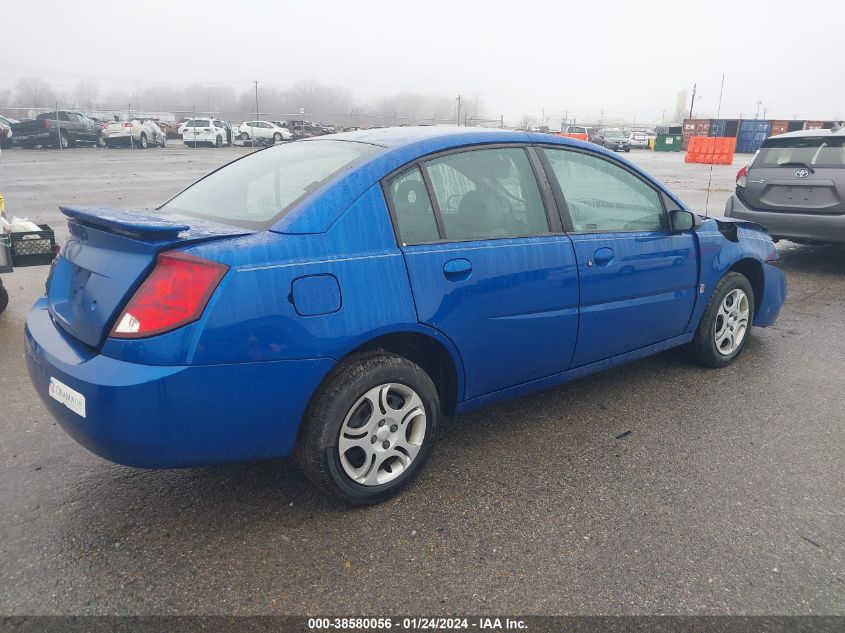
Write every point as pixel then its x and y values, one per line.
pixel 692 103
pixel 256 98
pixel 459 110
pixel 757 114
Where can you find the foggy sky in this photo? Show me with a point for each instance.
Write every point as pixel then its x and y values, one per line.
pixel 520 58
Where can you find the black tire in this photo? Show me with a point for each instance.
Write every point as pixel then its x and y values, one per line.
pixel 142 142
pixel 101 142
pixel 162 142
pixel 218 142
pixel 277 137
pixel 703 348
pixel 244 136
pixel 4 298
pixel 317 444
pixel 63 142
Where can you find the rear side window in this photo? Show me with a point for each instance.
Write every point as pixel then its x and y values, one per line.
pixel 603 197
pixel 412 207
pixel 257 190
pixel 813 151
pixel 488 193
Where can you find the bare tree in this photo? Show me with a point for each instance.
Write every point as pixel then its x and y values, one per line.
pixel 34 92
pixel 85 95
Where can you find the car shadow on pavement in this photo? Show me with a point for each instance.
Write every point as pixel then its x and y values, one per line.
pixel 812 259
pixel 111 502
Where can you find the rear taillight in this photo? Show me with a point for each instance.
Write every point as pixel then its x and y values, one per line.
pixel 128 125
pixel 742 176
pixel 175 294
pixel 48 124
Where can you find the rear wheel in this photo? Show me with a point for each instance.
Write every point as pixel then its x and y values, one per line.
pixel 162 142
pixel 63 142
pixel 142 142
pixel 218 142
pixel 370 429
pixel 277 137
pixel 244 136
pixel 726 323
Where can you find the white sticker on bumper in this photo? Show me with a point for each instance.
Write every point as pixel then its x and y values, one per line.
pixel 71 398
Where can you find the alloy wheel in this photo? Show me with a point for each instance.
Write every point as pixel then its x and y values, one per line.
pixel 731 324
pixel 382 434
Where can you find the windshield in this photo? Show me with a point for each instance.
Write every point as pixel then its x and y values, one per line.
pixel 813 151
pixel 257 190
pixel 614 135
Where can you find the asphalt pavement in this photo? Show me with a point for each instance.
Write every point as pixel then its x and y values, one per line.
pixel 656 488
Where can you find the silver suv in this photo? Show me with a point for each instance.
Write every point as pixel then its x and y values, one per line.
pixel 795 187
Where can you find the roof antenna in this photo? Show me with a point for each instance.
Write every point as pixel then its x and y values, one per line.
pixel 710 179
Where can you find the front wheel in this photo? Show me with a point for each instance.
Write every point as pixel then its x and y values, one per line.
pixel 244 136
pixel 218 142
pixel 142 142
pixel 370 429
pixel 4 297
pixel 726 322
pixel 277 137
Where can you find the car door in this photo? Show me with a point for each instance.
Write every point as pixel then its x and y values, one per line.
pixel 637 278
pixel 488 264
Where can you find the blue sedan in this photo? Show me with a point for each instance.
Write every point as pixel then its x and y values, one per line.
pixel 335 297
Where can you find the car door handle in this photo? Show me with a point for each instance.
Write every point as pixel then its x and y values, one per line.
pixel 603 256
pixel 457 269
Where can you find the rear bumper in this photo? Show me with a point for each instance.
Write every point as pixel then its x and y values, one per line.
pixel 795 226
pixel 171 416
pixel 204 137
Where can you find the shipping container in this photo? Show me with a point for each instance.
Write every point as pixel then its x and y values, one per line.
pixel 813 125
pixel 778 127
pixel 794 126
pixel 695 127
pixel 724 127
pixel 751 135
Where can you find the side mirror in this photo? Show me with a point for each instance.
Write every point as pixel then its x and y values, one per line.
pixel 680 220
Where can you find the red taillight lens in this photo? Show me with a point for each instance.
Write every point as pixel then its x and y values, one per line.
pixel 128 125
pixel 742 176
pixel 48 124
pixel 175 294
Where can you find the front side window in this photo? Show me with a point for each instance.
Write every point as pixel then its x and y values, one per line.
pixel 602 196
pixel 412 207
pixel 257 190
pixel 488 193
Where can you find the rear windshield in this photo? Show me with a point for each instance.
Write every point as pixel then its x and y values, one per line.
pixel 814 151
pixel 198 123
pixel 257 190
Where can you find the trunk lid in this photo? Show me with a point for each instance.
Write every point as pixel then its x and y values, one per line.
pixel 105 258
pixel 801 174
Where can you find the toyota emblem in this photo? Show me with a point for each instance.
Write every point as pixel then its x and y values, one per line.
pixel 802 173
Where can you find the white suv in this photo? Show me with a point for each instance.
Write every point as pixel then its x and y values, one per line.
pixel 264 129
pixel 205 131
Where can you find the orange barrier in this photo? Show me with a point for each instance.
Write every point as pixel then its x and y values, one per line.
pixel 711 150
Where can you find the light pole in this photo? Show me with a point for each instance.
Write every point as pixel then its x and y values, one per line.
pixel 757 114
